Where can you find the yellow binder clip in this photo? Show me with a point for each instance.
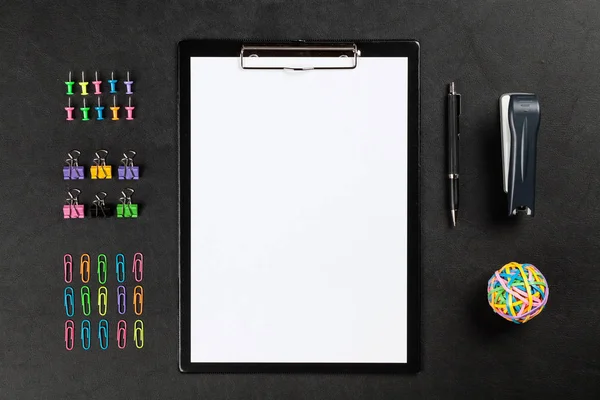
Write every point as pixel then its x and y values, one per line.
pixel 100 170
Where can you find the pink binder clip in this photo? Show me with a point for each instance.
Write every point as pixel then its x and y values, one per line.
pixel 121 334
pixel 68 263
pixel 69 334
pixel 72 208
pixel 138 267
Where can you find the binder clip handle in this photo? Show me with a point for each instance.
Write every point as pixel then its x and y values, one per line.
pixel 100 157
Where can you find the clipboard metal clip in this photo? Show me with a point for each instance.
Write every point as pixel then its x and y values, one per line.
pixel 334 56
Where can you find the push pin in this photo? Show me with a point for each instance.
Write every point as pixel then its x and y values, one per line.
pixel 72 171
pixel 85 111
pixel 127 209
pixel 99 208
pixel 128 170
pixel 69 111
pixel 115 109
pixel 97 84
pixel 100 170
pixel 128 83
pixel 72 209
pixel 83 84
pixel 113 83
pixel 99 109
pixel 70 84
pixel 129 111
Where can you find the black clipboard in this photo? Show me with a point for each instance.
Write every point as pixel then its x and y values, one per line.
pixel 352 52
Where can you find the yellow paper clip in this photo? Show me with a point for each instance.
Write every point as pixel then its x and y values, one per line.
pixel 84 268
pixel 138 333
pixel 102 300
pixel 138 300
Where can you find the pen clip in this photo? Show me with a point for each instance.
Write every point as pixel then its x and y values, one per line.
pixel 68 266
pixel 138 334
pixel 121 334
pixel 84 268
pixel 85 301
pixel 120 261
pixel 103 334
pixel 102 300
pixel 69 301
pixel 138 300
pixel 102 268
pixel 69 334
pixel 86 334
pixel 138 267
pixel 121 300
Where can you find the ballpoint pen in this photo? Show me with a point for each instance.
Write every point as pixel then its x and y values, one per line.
pixel 452 145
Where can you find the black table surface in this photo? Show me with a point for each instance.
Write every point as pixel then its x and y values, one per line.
pixel 488 47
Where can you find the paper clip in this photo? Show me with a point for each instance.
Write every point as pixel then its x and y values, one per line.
pixel 102 300
pixel 69 301
pixel 121 334
pixel 127 209
pixel 120 268
pixel 69 335
pixel 72 209
pixel 138 300
pixel 100 170
pixel 72 171
pixel 68 264
pixel 86 334
pixel 84 268
pixel 128 170
pixel 103 334
pixel 138 333
pixel 138 267
pixel 102 267
pixel 85 301
pixel 121 299
pixel 99 208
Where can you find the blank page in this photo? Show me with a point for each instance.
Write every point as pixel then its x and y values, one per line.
pixel 298 213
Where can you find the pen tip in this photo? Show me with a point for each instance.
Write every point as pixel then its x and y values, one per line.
pixel 453 212
pixel 451 88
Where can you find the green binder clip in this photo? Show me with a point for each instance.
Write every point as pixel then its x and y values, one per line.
pixel 127 209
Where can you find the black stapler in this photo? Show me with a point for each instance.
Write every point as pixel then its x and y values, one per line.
pixel 520 122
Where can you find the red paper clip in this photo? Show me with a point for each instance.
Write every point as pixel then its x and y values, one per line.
pixel 138 300
pixel 122 334
pixel 68 263
pixel 69 335
pixel 138 267
pixel 84 268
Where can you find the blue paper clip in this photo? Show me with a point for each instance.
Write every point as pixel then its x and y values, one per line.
pixel 69 301
pixel 120 268
pixel 121 299
pixel 103 334
pixel 86 336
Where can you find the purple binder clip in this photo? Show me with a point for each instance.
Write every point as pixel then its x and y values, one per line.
pixel 128 171
pixel 72 170
pixel 72 208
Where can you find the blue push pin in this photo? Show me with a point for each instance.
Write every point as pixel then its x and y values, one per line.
pixel 99 110
pixel 113 83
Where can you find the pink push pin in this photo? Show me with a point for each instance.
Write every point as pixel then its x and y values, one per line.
pixel 69 111
pixel 129 111
pixel 128 83
pixel 97 84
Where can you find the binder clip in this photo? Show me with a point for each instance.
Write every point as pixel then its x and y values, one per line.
pixel 72 209
pixel 103 334
pixel 69 335
pixel 99 208
pixel 86 334
pixel 520 122
pixel 72 171
pixel 122 334
pixel 138 300
pixel 100 170
pixel 128 170
pixel 127 209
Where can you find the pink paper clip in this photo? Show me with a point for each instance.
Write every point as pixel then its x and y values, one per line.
pixel 122 334
pixel 68 263
pixel 69 335
pixel 138 267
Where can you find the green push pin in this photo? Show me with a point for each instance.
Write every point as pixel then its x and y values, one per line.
pixel 70 84
pixel 85 110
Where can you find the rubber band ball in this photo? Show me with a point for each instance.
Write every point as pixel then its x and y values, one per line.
pixel 517 292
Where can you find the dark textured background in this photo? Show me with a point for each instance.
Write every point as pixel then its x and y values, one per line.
pixel 489 47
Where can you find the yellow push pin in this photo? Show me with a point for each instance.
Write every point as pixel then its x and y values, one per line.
pixel 115 109
pixel 83 84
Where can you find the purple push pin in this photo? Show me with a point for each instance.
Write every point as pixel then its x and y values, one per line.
pixel 128 171
pixel 72 171
pixel 128 83
pixel 121 300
